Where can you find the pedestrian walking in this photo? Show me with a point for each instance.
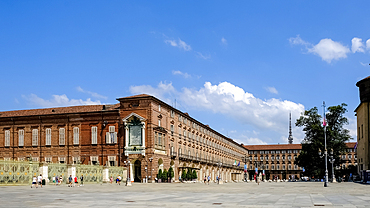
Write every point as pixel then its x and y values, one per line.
pixel 119 180
pixel 205 180
pixel 76 181
pixel 39 180
pixel 60 179
pixel 56 180
pixel 82 180
pixel 111 179
pixel 209 178
pixel 34 182
pixel 70 181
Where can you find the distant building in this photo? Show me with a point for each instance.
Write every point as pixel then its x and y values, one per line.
pixel 278 160
pixel 363 125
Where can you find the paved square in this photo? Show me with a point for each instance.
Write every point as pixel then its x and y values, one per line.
pixel 297 194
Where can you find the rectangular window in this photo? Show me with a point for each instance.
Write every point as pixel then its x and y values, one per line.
pixel 7 138
pixel 343 157
pixel 159 139
pixel 94 135
pixel 159 122
pixel 76 135
pixel 94 160
pixel 35 159
pixel 21 138
pixel 267 166
pixel 20 158
pixel 62 137
pixel 278 152
pixel 289 167
pixel 76 160
pixel 295 167
pixel 48 137
pixel 35 135
pixel 261 152
pixel 172 129
pixel 111 136
pixel 272 167
pixel 112 160
pixel 283 167
pixel 48 159
pixel 62 159
pixel 277 167
pixel 283 151
pixel 159 107
pixel 349 156
pixel 172 114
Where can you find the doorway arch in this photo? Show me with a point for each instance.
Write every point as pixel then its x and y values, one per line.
pixel 137 171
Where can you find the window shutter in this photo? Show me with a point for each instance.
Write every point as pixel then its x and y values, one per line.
pixel 7 138
pixel 115 137
pixel 107 139
pixel 62 136
pixel 94 135
pixel 76 135
pixel 34 137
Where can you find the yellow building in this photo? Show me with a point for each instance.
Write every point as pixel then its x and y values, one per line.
pixel 363 119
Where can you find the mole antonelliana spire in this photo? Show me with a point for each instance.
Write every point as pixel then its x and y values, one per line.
pixel 290 138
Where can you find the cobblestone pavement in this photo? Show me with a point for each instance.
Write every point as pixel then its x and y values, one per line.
pixel 283 194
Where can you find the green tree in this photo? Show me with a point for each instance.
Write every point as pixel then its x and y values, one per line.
pixel 336 136
pixel 183 175
pixel 171 173
pixel 194 176
pixel 189 175
pixel 164 175
pixel 160 174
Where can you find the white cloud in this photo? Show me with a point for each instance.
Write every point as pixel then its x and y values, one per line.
pixel 160 92
pixel 352 127
pixel 232 101
pixel 298 41
pixel 223 41
pixel 205 57
pixel 254 141
pixel 357 45
pixel 94 94
pixel 363 64
pixel 272 90
pixel 185 75
pixel 327 49
pixel 368 44
pixel 58 101
pixel 180 44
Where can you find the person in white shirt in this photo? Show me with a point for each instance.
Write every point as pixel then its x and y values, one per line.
pixel 39 180
pixel 34 184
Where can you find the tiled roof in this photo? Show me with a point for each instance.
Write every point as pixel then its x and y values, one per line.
pixel 274 147
pixel 285 146
pixel 58 110
pixel 351 144
pixel 136 96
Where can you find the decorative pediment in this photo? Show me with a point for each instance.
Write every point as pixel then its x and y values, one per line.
pixel 160 129
pixel 127 118
pixel 160 116
pixel 172 122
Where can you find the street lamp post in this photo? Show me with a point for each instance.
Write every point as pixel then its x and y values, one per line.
pixel 128 180
pixel 332 160
pixel 245 160
pixel 326 151
pixel 219 165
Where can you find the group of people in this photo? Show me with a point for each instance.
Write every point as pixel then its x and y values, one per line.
pixel 207 179
pixel 36 181
pixel 118 180
pixel 74 181
pixel 57 180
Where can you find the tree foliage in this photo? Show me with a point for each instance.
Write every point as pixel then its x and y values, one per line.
pixel 183 175
pixel 336 136
pixel 171 173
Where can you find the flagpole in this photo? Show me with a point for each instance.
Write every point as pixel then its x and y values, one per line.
pixel 326 152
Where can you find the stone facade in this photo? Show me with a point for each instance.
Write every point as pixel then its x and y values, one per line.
pixel 140 131
pixel 363 125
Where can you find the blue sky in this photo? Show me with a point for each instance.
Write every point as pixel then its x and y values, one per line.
pixel 240 66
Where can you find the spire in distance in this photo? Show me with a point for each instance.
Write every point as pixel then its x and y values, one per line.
pixel 290 138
